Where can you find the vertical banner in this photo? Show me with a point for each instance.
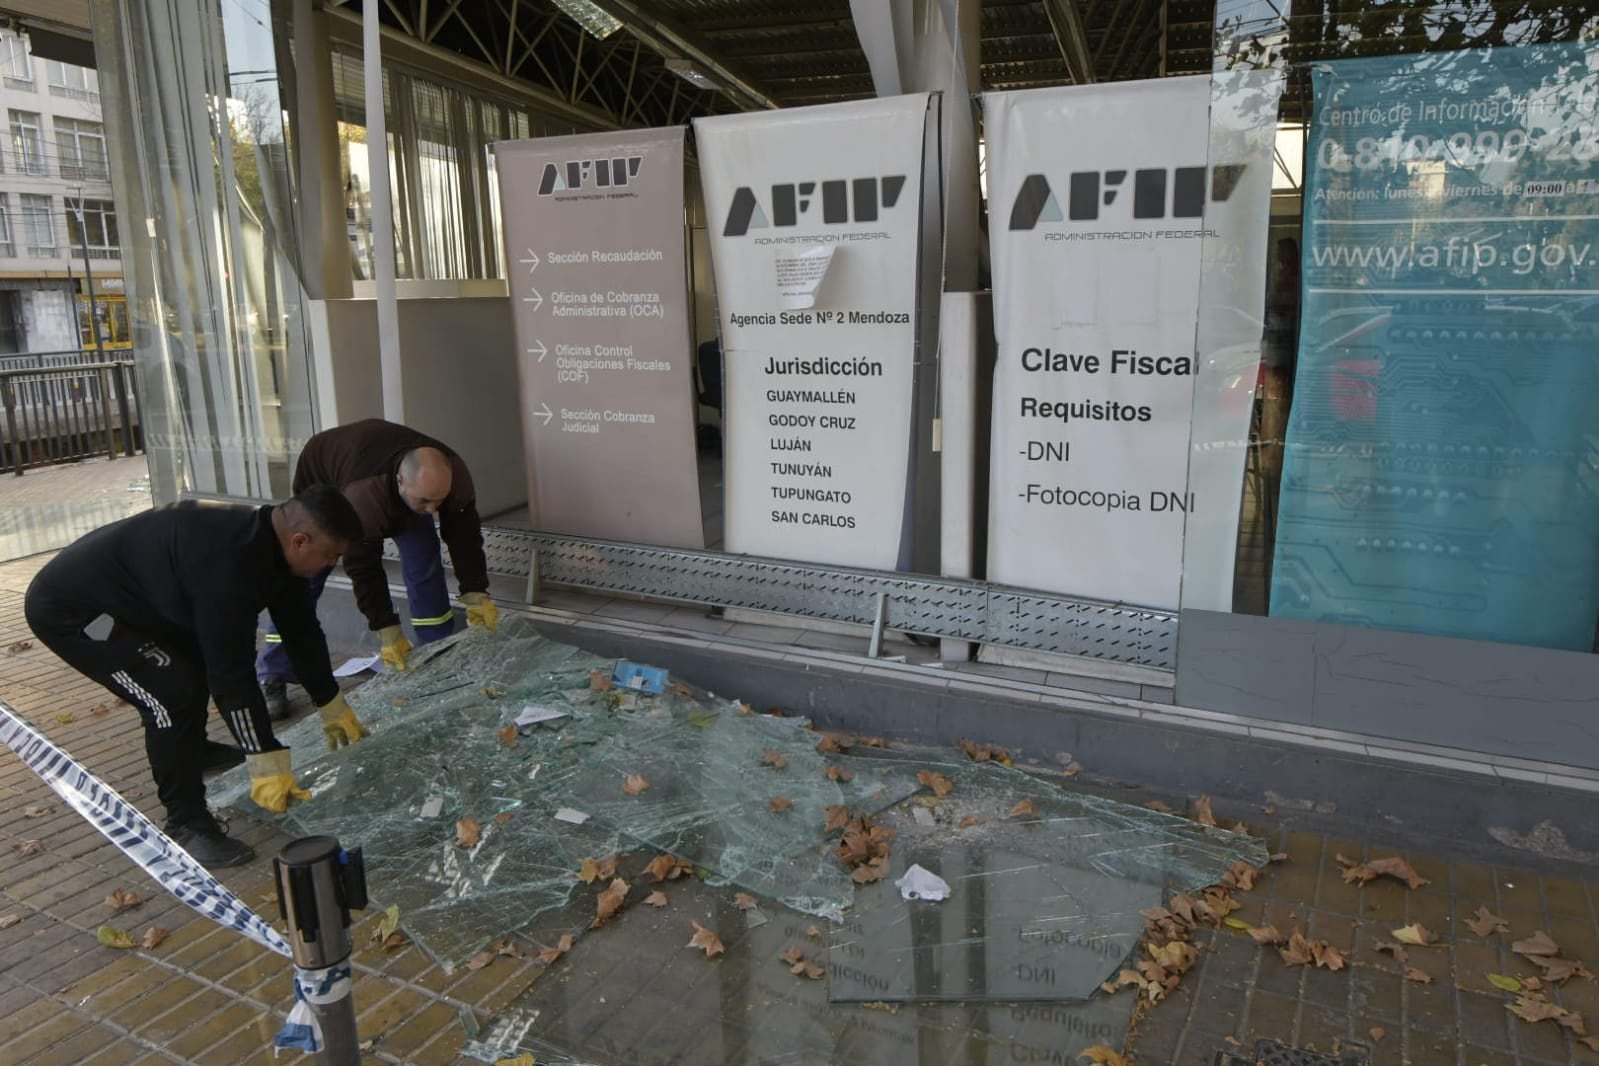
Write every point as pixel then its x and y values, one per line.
pixel 1102 200
pixel 816 223
pixel 594 255
pixel 1439 474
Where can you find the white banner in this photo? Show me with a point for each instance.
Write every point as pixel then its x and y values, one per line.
pixel 815 222
pixel 1103 202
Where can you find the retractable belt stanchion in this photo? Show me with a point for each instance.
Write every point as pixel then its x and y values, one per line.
pixel 319 884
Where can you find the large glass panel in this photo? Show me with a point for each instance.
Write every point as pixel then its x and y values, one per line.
pixel 197 122
pixel 1420 366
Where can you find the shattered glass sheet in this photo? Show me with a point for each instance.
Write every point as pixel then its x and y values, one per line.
pixel 635 994
pixel 436 755
pixel 1042 907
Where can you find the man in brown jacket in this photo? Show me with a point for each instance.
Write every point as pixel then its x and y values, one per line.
pixel 398 480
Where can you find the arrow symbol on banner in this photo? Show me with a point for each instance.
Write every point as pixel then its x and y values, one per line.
pixel 545 414
pixel 537 300
pixel 540 351
pixel 532 260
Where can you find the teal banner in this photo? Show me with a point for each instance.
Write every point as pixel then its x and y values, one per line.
pixel 1441 472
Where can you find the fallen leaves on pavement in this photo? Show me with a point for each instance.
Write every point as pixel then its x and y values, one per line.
pixel 1487 923
pixel 1162 808
pixel 668 868
pixel 508 736
pixel 1202 811
pixel 773 758
pixel 1265 934
pixel 633 784
pixel 609 902
pixel 656 899
pixel 1537 945
pixel 837 818
pixel 1241 876
pixel 832 744
pixel 969 821
pixel 1100 1055
pixel 705 940
pixel 152 938
pixel 835 773
pixel 1024 809
pixel 1421 977
pixel 122 899
pixel 1504 982
pixel 983 752
pixel 562 946
pixel 35 811
pixel 940 784
pixel 800 966
pixel 780 804
pixel 1300 951
pixel 113 938
pixel 28 847
pixel 8 920
pixel 19 646
pixel 1377 1033
pixel 745 902
pixel 599 681
pixel 468 832
pixel 1416 934
pixel 1393 866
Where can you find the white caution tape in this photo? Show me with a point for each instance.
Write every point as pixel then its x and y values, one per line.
pixel 303 1030
pixel 136 835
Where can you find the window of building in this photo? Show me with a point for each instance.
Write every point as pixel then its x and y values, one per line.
pixel 16 65
pixel 7 245
pixel 27 142
pixel 72 82
pixel 81 147
pixel 38 225
pixel 96 220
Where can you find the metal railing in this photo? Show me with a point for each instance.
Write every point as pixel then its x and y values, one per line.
pixel 63 406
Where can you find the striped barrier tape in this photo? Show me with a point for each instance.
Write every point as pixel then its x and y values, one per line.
pixel 303 1029
pixel 136 835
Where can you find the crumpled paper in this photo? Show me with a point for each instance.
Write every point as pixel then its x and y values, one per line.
pixel 918 883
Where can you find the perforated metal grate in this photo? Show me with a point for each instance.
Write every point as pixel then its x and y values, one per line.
pixel 1274 1053
pixel 929 606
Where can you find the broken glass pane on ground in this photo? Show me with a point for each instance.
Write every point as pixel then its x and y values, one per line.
pixel 478 827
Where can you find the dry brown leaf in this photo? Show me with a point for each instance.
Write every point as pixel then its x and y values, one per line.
pixel 508 737
pixel 562 946
pixel 1241 876
pixel 36 811
pixel 1538 944
pixel 1327 956
pixel 983 753
pixel 656 899
pixel 1557 970
pixel 633 784
pixel 99 709
pixel 1100 1055
pixel 866 873
pixel 705 940
pixel 468 832
pixel 1174 956
pixel 814 933
pixel 607 903
pixel 832 744
pixel 1024 809
pixel 1531 984
pixel 773 758
pixel 940 784
pixel 1264 934
pixel 599 681
pixel 1396 950
pixel 152 938
pixel 1416 934
pixel 808 969
pixel 8 920
pixel 480 960
pixel 1183 907
pixel 792 954
pixel 589 871
pixel 19 646
pixel 1393 866
pixel 1421 977
pixel 392 941
pixel 28 847
pixel 968 821
pixel 1533 1009
pixel 1278 856
pixel 837 818
pixel 667 868
pixel 1298 952
pixel 1487 923
pixel 1202 811
pixel 1377 1033
pixel 1573 1020
pixel 1590 1042
pixel 1163 808
pixel 745 902
pixel 834 773
pixel 874 742
pixel 122 899
pixel 780 803
pixel 1268 809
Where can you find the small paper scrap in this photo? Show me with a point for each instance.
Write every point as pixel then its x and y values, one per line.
pixel 359 665
pixel 567 814
pixel 432 807
pixel 918 883
pixel 533 715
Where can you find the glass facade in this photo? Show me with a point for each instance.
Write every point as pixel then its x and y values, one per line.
pixel 1425 392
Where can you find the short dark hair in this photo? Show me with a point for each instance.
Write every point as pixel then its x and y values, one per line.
pixel 332 514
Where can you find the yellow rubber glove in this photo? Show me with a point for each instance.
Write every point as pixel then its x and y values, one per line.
pixel 395 647
pixel 480 610
pixel 272 783
pixel 339 723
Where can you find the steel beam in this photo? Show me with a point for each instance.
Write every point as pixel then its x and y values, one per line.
pixel 673 43
pixel 1072 36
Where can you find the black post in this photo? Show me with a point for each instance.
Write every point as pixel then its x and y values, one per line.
pixel 319 883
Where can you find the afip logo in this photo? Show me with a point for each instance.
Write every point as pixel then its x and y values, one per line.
pixel 856 200
pixel 587 173
pixel 1092 189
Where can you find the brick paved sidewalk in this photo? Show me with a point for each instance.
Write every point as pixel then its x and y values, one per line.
pixel 207 996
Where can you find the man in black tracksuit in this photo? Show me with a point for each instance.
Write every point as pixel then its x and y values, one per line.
pixel 161 609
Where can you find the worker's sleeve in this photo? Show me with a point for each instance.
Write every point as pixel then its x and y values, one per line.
pixel 294 615
pixel 225 620
pixel 463 532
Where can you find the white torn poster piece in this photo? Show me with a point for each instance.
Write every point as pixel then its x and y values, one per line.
pixel 532 715
pixel 567 814
pixel 432 807
pixel 918 883
pixel 358 665
pixel 800 274
pixel 924 816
